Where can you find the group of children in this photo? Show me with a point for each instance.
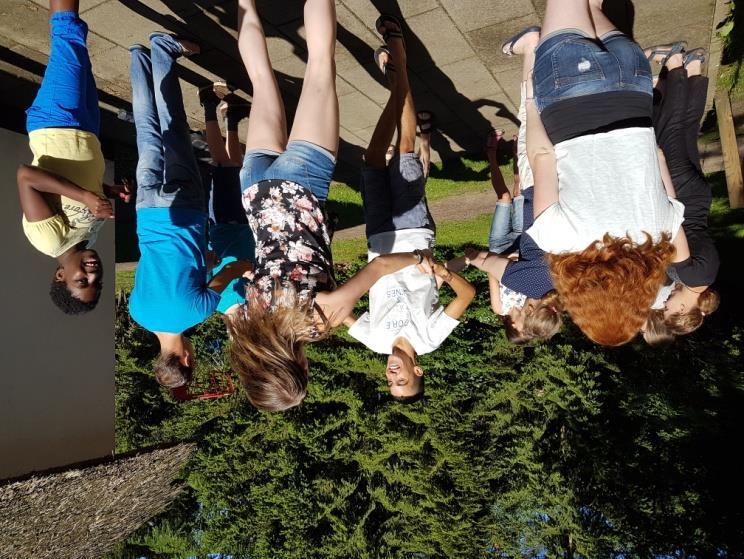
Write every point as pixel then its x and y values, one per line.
pixel 593 226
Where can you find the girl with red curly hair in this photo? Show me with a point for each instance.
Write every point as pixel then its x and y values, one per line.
pixel 605 213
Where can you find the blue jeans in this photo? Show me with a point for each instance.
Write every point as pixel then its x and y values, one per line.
pixel 569 64
pixel 302 162
pixel 67 97
pixel 506 226
pixel 167 172
pixel 394 198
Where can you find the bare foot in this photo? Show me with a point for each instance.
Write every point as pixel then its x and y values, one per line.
pixel 526 42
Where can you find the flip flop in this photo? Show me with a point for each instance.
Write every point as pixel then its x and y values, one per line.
pixel 508 47
pixel 388 34
pixel 668 51
pixel 425 120
pixel 695 55
pixel 494 137
pixel 388 66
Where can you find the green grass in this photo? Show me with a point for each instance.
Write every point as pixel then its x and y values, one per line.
pixel 451 233
pixel 465 176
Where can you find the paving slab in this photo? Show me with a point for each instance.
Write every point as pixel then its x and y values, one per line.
pixel 454 62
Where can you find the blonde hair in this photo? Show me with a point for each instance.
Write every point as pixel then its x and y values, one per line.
pixel 656 332
pixel 266 349
pixel 542 322
pixel 608 287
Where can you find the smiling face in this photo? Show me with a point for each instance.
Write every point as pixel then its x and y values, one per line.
pixel 82 273
pixel 403 376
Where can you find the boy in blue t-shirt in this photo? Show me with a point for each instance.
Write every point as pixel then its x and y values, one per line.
pixel 171 291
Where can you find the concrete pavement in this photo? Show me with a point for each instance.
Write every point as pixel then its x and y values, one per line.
pixel 455 63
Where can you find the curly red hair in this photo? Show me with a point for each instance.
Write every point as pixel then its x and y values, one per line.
pixel 608 288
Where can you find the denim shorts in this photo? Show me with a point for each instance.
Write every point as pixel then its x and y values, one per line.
pixel 570 64
pixel 506 226
pixel 67 97
pixel 394 198
pixel 302 162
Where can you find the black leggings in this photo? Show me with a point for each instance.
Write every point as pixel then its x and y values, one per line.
pixel 677 122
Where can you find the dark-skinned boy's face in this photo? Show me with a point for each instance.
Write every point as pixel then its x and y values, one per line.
pixel 82 273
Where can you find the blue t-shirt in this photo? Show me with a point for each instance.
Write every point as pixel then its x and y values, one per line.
pixel 170 287
pixel 529 275
pixel 232 241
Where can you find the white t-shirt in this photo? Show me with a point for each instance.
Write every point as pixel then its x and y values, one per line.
pixel 607 183
pixel 403 304
pixel 665 291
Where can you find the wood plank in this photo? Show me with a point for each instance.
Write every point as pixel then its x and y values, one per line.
pixel 731 159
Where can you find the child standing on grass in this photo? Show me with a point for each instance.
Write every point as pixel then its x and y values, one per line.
pixel 171 292
pixel 522 291
pixel 61 193
pixel 292 297
pixel 405 318
pixel 230 236
pixel 689 297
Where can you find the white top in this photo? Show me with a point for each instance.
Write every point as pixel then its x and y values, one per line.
pixel 662 295
pixel 510 299
pixel 607 183
pixel 405 303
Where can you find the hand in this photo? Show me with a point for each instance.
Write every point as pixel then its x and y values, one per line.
pixel 122 191
pixel 99 207
pixel 425 157
pixel 442 272
pixel 427 264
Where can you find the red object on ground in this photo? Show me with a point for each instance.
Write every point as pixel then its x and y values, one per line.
pixel 220 384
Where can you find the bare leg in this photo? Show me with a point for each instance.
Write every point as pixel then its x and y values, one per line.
pixel 406 110
pixel 602 25
pixel 517 186
pixel 216 143
pixel 317 120
pixel 234 151
pixel 64 6
pixel 568 14
pixel 376 154
pixel 268 128
pixel 497 179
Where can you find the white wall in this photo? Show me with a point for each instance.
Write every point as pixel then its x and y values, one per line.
pixel 56 371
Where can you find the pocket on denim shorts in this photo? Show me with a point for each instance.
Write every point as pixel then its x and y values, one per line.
pixel 575 62
pixel 290 168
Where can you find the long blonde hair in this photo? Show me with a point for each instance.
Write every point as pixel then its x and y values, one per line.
pixel 267 348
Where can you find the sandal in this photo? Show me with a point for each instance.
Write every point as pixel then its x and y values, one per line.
pixel 388 34
pixel 425 121
pixel 667 50
pixel 494 137
pixel 694 55
pixel 388 66
pixel 508 47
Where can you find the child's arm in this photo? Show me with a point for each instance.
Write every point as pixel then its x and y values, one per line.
pixel 464 291
pixel 541 156
pixel 493 264
pixel 34 182
pixel 339 304
pixel 494 288
pixel 228 273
